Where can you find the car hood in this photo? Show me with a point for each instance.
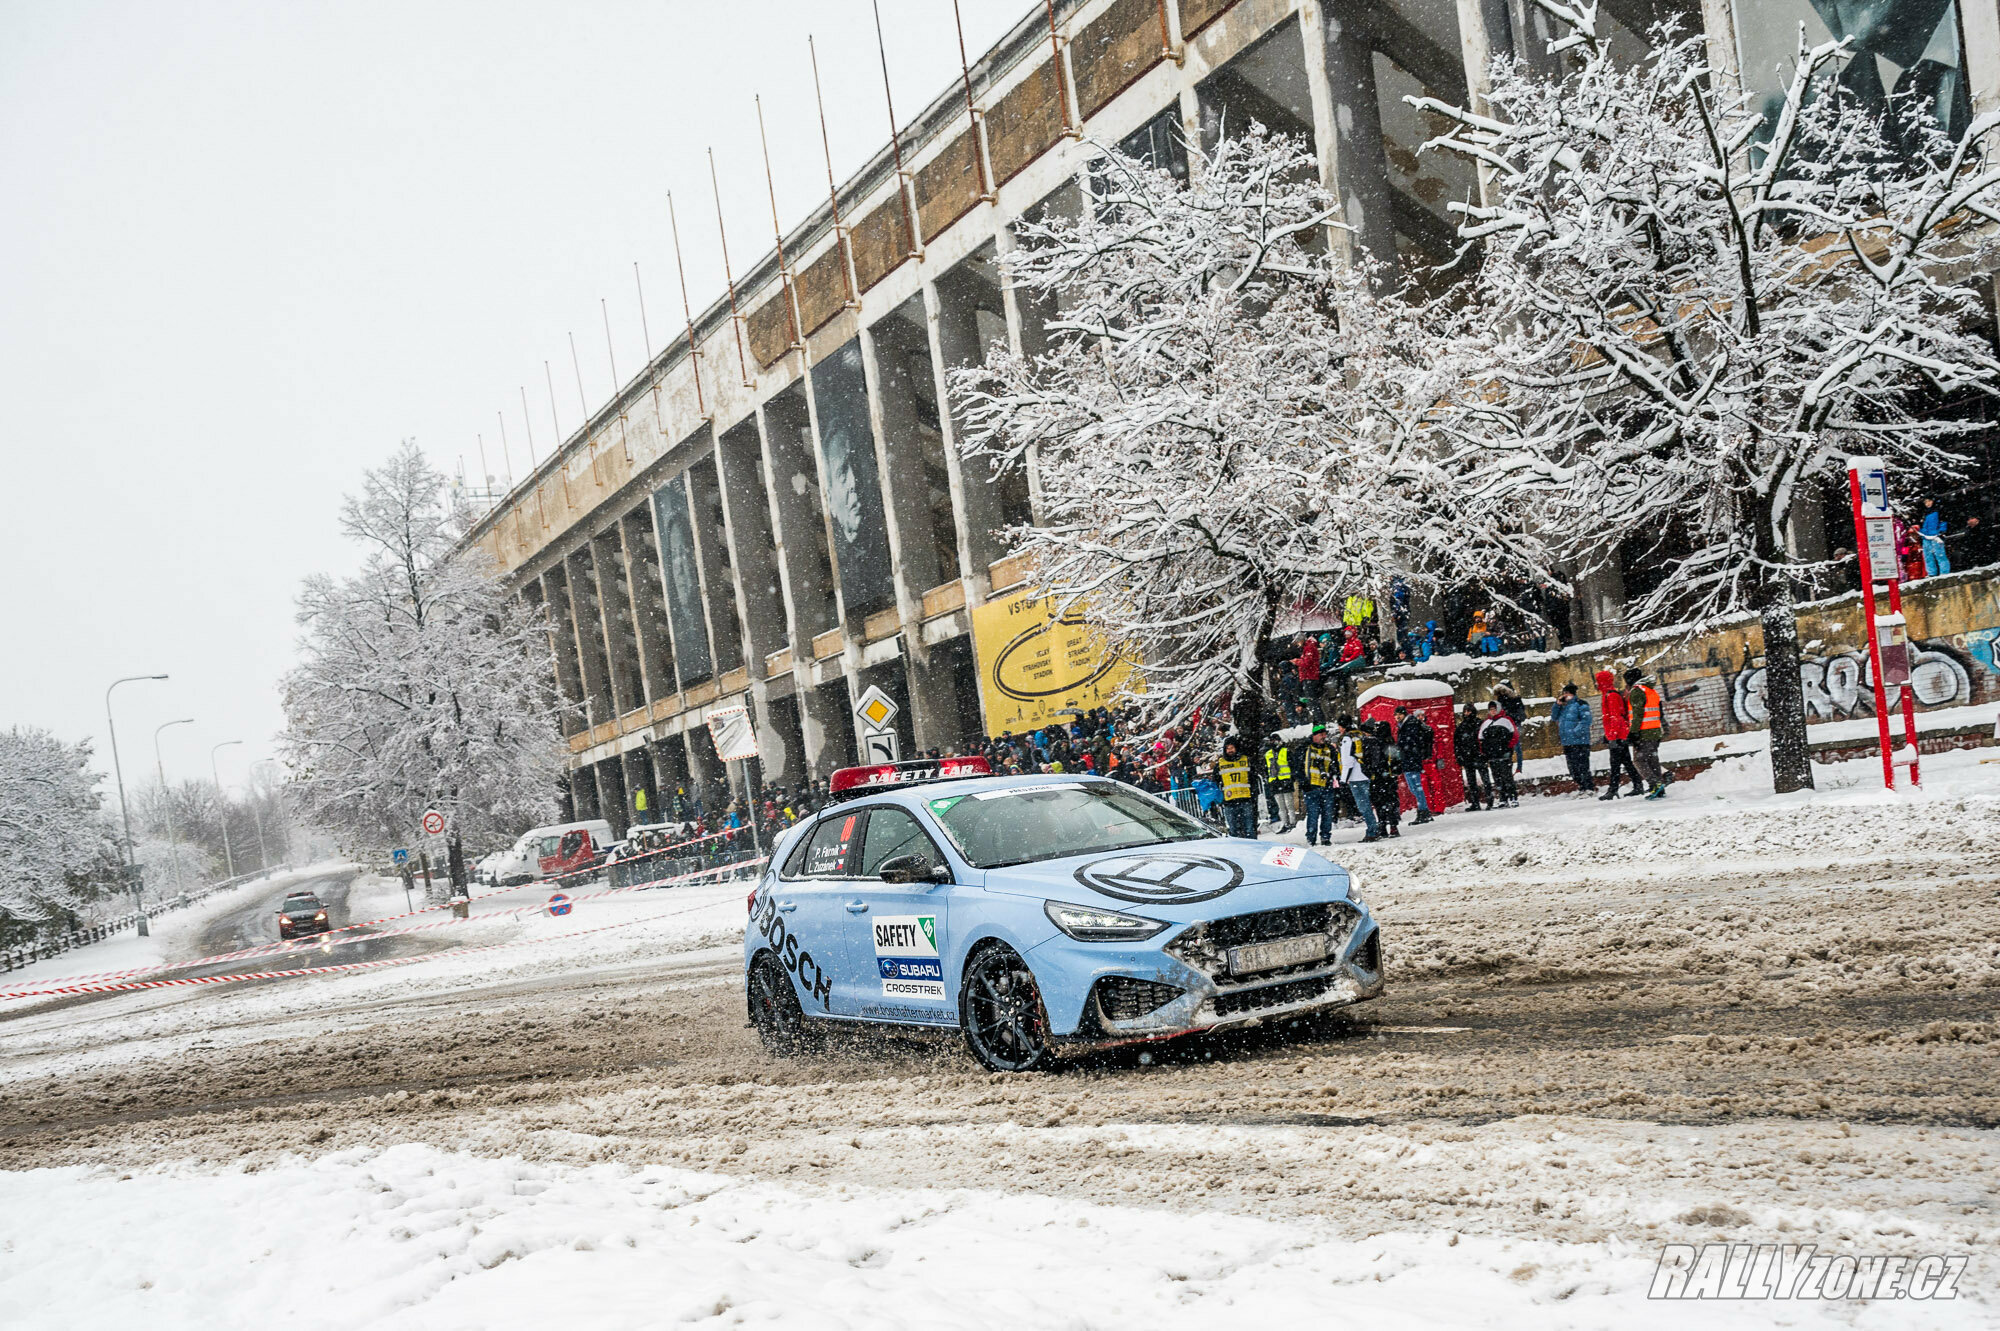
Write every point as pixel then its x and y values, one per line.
pixel 1183 881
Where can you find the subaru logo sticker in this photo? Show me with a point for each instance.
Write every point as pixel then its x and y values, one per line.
pixel 1165 877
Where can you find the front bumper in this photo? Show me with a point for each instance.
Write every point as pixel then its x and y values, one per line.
pixel 1093 992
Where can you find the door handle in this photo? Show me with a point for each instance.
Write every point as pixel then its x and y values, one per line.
pixel 788 905
pixel 857 907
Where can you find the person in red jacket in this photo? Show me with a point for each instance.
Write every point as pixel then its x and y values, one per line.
pixel 1617 734
pixel 1308 666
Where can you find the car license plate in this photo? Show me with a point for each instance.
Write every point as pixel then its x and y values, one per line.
pixel 1255 957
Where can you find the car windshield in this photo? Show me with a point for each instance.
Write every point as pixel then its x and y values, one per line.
pixel 301 903
pixel 996 828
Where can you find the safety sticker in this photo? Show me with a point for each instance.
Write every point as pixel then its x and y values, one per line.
pixel 906 955
pixel 1285 857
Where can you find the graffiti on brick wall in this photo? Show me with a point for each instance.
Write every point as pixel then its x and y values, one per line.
pixel 1842 685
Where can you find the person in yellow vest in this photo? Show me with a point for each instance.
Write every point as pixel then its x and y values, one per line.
pixel 1649 727
pixel 1279 787
pixel 1319 779
pixel 1238 777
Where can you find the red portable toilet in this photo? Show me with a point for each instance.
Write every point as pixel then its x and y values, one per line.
pixel 1429 699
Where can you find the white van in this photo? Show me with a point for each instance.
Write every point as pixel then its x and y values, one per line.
pixel 523 862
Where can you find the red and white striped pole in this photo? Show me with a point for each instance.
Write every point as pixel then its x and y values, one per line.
pixel 1875 544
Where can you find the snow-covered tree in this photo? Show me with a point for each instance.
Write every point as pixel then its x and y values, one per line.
pixel 171 865
pixel 54 835
pixel 423 685
pixel 1707 310
pixel 1229 423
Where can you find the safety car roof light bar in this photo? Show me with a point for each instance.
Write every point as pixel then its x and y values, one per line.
pixel 848 782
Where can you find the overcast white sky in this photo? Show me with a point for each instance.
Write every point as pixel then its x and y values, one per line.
pixel 251 246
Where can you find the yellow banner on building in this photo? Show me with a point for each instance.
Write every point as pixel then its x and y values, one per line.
pixel 1036 669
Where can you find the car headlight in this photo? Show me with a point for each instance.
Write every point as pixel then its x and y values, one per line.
pixel 1354 890
pixel 1089 924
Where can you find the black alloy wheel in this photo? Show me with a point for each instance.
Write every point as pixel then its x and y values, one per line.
pixel 1000 1010
pixel 774 1008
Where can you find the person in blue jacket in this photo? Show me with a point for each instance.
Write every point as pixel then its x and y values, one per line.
pixel 1572 718
pixel 1932 530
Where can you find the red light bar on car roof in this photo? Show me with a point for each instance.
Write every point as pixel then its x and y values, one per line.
pixel 848 780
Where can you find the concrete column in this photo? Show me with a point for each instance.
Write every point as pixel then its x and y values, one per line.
pixel 704 768
pixel 1979 20
pixel 753 558
pixel 583 787
pixel 649 604
pixel 718 577
pixel 589 626
pixel 1363 180
pixel 614 603
pixel 1018 341
pixel 1326 137
pixel 612 805
pixel 791 462
pixel 562 631
pixel 899 456
pixel 935 719
pixel 964 308
pixel 826 720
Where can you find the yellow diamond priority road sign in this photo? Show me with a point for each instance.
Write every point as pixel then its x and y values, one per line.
pixel 875 709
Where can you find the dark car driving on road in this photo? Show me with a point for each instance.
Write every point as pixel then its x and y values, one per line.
pixel 302 913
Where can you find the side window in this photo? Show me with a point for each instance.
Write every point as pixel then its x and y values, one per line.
pixel 831 849
pixel 795 863
pixel 892 832
pixel 548 845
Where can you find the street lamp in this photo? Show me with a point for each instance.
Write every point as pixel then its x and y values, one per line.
pixel 222 803
pixel 166 800
pixel 124 809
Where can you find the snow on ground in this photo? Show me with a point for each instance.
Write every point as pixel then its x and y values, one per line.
pixel 636 928
pixel 1610 1026
pixel 414 1236
pixel 171 935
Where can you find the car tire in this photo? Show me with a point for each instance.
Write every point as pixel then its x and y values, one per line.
pixel 1001 1014
pixel 775 1010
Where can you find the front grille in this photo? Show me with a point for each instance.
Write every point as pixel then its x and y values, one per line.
pixel 1122 998
pixel 1369 955
pixel 1206 946
pixel 1319 917
pixel 1272 995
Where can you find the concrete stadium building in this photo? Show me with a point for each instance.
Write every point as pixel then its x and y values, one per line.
pixel 774 514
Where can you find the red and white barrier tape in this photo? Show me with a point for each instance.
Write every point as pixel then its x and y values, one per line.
pixel 186 981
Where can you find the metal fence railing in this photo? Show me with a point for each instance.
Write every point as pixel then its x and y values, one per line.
pixel 17 955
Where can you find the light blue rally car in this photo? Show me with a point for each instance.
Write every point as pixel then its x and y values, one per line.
pixel 1039 915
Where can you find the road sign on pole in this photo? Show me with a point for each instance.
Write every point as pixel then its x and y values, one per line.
pixel 875 708
pixel 401 855
pixel 560 904
pixel 1888 643
pixel 434 822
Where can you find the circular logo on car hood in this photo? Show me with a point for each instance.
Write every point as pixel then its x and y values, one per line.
pixel 1162 877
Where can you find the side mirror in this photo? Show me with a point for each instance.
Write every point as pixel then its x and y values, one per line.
pixel 912 869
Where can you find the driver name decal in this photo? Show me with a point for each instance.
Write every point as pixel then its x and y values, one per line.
pixel 1164 876
pixel 906 955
